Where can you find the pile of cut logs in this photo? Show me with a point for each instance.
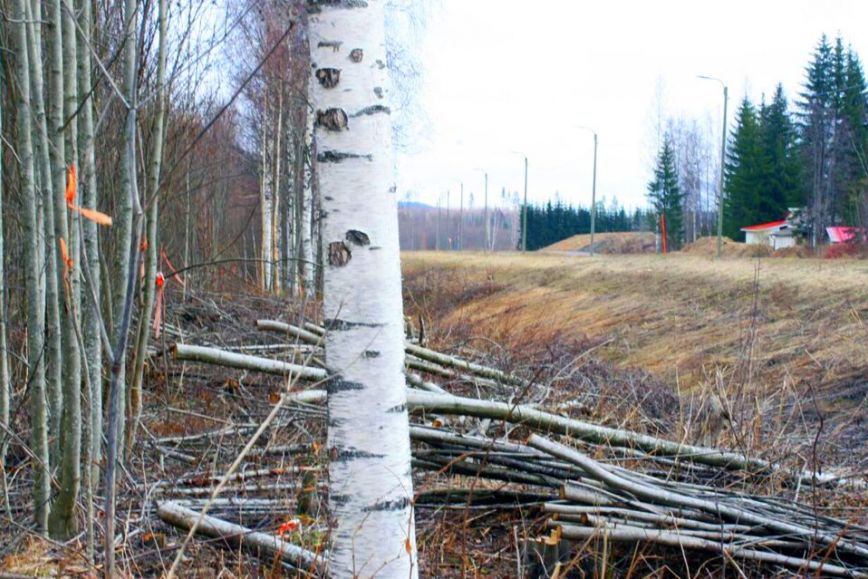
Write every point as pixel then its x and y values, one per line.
pixel 593 481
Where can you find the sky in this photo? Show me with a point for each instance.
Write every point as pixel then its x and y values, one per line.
pixel 507 78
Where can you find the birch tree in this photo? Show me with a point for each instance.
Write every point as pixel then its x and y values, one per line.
pixel 91 320
pixel 151 229
pixel 371 491
pixel 5 390
pixel 35 309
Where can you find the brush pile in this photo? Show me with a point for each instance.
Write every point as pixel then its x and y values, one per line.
pixel 587 480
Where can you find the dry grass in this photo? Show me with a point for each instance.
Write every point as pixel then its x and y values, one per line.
pixel 760 331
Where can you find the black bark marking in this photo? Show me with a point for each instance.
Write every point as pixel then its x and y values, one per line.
pixel 341 325
pixel 316 6
pixel 396 505
pixel 373 110
pixel 332 120
pixel 346 454
pixel 357 237
pixel 339 499
pixel 393 188
pixel 338 384
pixel 356 55
pixel 380 64
pixel 335 45
pixel 339 254
pixel 328 77
pixel 338 157
pixel 371 354
pixel 378 91
pixel 397 409
pixel 336 422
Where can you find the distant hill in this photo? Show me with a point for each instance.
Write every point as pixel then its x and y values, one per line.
pixel 414 205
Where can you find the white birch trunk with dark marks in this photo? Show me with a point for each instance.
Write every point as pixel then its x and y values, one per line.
pixel 370 492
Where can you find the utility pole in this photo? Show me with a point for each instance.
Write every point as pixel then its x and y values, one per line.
pixel 722 166
pixel 524 211
pixel 461 219
pixel 437 235
pixel 722 173
pixel 594 197
pixel 449 229
pixel 485 216
pixel 593 187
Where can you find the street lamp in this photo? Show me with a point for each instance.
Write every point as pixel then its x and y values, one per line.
pixel 722 165
pixel 485 214
pixel 524 207
pixel 593 187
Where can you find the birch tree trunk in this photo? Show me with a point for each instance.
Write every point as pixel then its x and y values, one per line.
pixel 63 522
pixel 52 309
pixel 265 205
pixel 371 490
pixel 92 315
pixel 35 311
pixel 56 204
pixel 5 389
pixel 306 205
pixel 152 221
pixel 124 203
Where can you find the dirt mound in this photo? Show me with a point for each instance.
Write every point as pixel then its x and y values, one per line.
pixel 625 242
pixel 708 246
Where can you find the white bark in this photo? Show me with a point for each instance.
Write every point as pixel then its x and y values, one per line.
pixel 5 388
pixel 266 205
pixel 368 436
pixel 35 310
pixel 268 545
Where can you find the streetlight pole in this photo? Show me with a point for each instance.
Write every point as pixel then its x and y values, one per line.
pixel 461 219
pixel 524 206
pixel 486 235
pixel 524 211
pixel 593 189
pixel 722 166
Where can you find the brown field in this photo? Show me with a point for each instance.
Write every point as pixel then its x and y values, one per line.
pixel 783 326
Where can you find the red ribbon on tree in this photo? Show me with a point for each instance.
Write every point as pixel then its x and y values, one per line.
pixel 159 284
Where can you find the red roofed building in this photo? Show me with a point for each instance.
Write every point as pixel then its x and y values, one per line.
pixel 844 234
pixel 777 234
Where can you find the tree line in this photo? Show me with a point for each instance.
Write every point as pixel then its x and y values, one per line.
pixel 809 156
pixel 551 222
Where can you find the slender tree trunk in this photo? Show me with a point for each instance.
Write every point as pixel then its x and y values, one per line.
pixel 35 311
pixel 58 179
pixel 371 490
pixel 5 389
pixel 54 359
pixel 265 190
pixel 92 317
pixel 275 195
pixel 305 234
pixel 152 225
pixel 63 522
pixel 124 204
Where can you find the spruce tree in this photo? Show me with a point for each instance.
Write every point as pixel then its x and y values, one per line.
pixel 780 187
pixel 665 196
pixel 745 168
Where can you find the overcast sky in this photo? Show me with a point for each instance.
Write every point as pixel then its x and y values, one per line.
pixel 507 75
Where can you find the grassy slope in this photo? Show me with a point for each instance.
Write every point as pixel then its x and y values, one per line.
pixel 685 319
